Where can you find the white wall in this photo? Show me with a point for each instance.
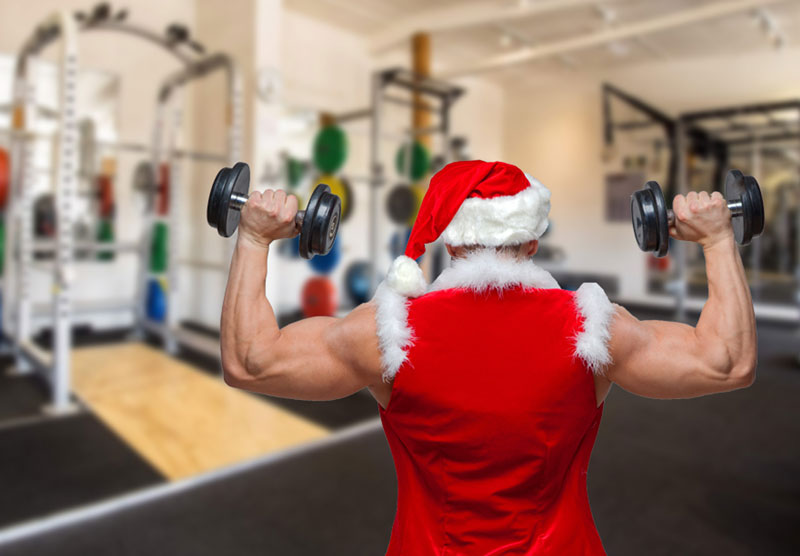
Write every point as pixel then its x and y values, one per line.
pixel 554 131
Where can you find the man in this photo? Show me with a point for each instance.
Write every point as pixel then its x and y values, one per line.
pixel 491 381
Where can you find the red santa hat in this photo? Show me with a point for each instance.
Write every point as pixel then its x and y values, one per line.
pixel 472 203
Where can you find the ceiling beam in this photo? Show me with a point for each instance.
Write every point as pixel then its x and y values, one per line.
pixel 677 19
pixel 462 15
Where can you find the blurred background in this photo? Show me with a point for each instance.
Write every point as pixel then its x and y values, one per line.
pixel 117 434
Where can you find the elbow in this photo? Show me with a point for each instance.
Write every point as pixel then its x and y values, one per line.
pixel 234 371
pixel 743 373
pixel 736 370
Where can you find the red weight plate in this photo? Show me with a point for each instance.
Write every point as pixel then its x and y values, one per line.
pixel 105 190
pixel 5 169
pixel 319 297
pixel 162 204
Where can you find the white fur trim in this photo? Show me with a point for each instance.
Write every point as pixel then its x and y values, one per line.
pixel 591 345
pixel 394 335
pixel 506 220
pixel 406 277
pixel 487 269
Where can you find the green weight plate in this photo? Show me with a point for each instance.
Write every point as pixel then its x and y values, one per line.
pixel 330 149
pixel 295 170
pixel 159 248
pixel 420 161
pixel 105 234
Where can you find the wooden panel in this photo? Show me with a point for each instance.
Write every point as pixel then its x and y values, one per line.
pixel 182 420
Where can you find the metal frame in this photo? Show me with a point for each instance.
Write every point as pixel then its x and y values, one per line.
pixel 383 83
pixel 167 151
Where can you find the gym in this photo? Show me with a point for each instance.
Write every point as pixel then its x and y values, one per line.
pixel 138 140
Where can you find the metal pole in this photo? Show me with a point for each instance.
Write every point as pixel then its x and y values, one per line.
pixel 755 246
pixel 376 172
pixel 680 284
pixel 173 244
pixel 65 185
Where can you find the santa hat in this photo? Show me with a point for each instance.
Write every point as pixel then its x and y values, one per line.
pixel 472 203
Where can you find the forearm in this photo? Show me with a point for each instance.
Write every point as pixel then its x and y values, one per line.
pixel 248 323
pixel 727 320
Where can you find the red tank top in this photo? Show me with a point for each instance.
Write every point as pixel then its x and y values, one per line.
pixel 493 412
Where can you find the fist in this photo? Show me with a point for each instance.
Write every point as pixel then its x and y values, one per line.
pixel 702 218
pixel 268 216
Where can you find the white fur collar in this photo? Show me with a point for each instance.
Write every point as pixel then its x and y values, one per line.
pixel 488 269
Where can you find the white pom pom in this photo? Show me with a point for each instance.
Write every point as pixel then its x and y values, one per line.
pixel 406 278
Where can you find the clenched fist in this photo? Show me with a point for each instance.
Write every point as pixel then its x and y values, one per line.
pixel 268 216
pixel 701 218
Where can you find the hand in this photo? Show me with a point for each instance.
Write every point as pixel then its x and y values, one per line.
pixel 701 218
pixel 268 216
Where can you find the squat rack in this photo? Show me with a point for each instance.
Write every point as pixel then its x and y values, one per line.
pixel 62 28
pixel 171 332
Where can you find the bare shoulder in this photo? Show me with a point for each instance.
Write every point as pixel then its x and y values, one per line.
pixel 355 340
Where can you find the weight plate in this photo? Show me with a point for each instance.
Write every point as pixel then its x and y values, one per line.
pixel 5 173
pixel 219 212
pixel 400 204
pixel 750 224
pixel 306 227
pixel 662 222
pixel 105 192
pixel 318 297
pixel 357 280
pixel 649 219
pixel 419 194
pixel 156 301
pixel 162 203
pixel 330 149
pixel 105 234
pixel 324 264
pixel 144 177
pixel 325 225
pixel 420 161
pixel 295 170
pixel 341 188
pixel 44 211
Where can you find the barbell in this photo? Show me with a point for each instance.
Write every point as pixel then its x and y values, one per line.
pixel 651 219
pixel 318 224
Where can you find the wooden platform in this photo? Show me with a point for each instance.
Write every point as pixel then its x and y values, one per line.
pixel 182 420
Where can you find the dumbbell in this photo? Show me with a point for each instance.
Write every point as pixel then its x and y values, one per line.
pixel 651 219
pixel 318 224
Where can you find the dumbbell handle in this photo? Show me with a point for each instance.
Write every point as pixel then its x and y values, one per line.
pixel 238 201
pixel 734 206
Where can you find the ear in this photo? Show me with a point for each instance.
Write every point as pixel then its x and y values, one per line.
pixel 532 247
pixel 451 250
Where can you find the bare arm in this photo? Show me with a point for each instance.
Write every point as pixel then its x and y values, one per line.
pixel 314 359
pixel 671 360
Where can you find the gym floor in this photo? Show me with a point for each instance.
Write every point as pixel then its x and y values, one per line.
pixel 658 483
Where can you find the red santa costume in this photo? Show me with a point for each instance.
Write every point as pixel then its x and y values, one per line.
pixel 493 412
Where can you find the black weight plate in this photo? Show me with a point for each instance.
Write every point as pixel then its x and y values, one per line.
pixel 312 212
pixel 144 177
pixel 662 228
pixel 219 212
pixel 643 218
pixel 401 204
pixel 739 187
pixel 325 225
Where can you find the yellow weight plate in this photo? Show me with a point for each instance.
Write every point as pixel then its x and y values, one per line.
pixel 419 193
pixel 341 188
